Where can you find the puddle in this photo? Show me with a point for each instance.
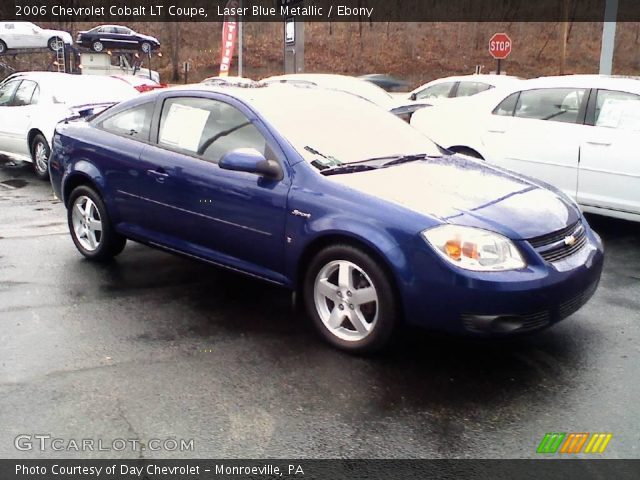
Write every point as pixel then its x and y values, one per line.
pixel 15 183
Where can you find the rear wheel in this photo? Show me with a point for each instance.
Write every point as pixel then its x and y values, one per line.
pixel 97 46
pixel 350 299
pixel 55 44
pixel 3 47
pixel 40 155
pixel 90 227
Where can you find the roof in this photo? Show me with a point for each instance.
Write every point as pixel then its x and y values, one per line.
pixel 629 84
pixel 262 93
pixel 353 85
pixel 491 79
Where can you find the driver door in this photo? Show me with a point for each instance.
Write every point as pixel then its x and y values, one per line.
pixel 237 218
pixel 7 92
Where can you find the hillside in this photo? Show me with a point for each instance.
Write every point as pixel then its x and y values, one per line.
pixel 417 52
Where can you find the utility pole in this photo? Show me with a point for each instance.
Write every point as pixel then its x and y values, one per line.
pixel 608 37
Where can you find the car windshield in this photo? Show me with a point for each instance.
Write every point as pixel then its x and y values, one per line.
pixel 333 128
pixel 85 90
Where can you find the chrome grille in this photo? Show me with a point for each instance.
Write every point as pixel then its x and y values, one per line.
pixel 553 247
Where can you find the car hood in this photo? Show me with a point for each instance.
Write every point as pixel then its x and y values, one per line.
pixel 466 192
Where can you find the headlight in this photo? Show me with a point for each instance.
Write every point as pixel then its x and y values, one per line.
pixel 474 249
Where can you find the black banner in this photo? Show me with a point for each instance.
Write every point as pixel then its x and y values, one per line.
pixel 117 11
pixel 565 469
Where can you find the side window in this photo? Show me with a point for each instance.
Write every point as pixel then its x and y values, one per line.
pixel 6 92
pixel 24 93
pixel 122 31
pixel 507 106
pixel 466 89
pixel 135 122
pixel 617 110
pixel 10 26
pixel 207 128
pixel 554 104
pixel 439 90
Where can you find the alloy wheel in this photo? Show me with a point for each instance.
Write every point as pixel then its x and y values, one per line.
pixel 40 154
pixel 87 224
pixel 346 300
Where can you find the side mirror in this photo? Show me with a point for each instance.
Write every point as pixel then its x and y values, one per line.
pixel 414 96
pixel 251 161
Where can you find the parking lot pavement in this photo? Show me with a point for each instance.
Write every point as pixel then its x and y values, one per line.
pixel 153 346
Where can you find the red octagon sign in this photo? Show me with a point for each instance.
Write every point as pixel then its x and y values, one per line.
pixel 500 46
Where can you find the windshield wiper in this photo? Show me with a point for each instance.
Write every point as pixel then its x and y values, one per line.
pixel 405 159
pixel 349 168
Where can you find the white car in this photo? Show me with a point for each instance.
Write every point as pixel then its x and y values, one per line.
pixel 14 35
pixel 355 86
pixel 579 133
pixel 32 104
pixel 461 86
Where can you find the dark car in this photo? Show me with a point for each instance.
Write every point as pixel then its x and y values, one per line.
pixel 387 82
pixel 116 37
pixel 373 226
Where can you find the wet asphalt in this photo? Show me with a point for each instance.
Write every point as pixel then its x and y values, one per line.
pixel 154 346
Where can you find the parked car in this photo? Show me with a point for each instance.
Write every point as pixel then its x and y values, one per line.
pixel 229 81
pixel 386 82
pixel 460 86
pixel 354 86
pixel 32 103
pixel 361 214
pixel 116 37
pixel 14 35
pixel 576 132
pixel 141 84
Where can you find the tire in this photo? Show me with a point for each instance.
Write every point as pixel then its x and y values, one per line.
pixel 55 44
pixel 467 152
pixel 84 210
pixel 3 47
pixel 357 314
pixel 145 47
pixel 40 152
pixel 97 46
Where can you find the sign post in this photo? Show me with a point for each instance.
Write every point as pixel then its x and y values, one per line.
pixel 293 39
pixel 500 48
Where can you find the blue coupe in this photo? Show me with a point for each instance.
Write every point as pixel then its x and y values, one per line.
pixel 328 195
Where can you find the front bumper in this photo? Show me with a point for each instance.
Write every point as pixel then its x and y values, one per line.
pixel 443 297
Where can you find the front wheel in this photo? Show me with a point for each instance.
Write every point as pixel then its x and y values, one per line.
pixel 90 227
pixel 97 46
pixel 351 299
pixel 40 155
pixel 3 47
pixel 146 47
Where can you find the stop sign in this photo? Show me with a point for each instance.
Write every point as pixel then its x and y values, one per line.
pixel 500 46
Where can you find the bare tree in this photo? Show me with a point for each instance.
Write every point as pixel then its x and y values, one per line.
pixel 175 51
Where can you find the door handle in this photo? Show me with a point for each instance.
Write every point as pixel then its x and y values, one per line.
pixel 496 131
pixel 600 144
pixel 159 174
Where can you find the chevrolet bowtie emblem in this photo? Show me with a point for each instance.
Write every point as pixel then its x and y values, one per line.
pixel 569 241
